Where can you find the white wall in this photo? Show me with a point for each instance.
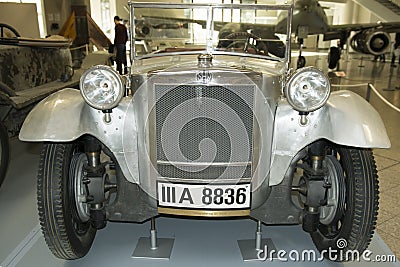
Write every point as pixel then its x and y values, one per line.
pixel 26 22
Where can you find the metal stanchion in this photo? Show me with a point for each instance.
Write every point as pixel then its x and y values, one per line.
pixel 368 97
pixel 153 247
pixel 251 249
pixel 361 63
pixel 389 86
pixel 153 235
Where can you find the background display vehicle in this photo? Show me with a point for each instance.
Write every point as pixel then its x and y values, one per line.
pixel 29 72
pixel 200 129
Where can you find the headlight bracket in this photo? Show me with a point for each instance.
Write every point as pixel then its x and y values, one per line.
pixel 303 118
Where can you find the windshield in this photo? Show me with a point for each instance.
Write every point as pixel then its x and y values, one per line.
pixel 159 29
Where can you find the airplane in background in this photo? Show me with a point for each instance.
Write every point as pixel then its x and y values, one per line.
pixel 309 18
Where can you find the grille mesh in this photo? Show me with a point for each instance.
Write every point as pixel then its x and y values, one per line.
pixel 204 124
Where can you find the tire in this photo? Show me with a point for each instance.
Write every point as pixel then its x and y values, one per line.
pixel 4 152
pixel 301 62
pixel 333 57
pixel 66 234
pixel 355 220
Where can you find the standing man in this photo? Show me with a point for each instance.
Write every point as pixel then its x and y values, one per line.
pixel 396 50
pixel 121 37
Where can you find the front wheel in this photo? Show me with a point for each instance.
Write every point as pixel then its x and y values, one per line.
pixel 4 152
pixel 64 216
pixel 348 219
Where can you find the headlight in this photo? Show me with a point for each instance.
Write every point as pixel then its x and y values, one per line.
pixel 101 87
pixel 308 89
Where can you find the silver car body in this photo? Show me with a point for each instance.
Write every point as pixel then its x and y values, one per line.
pixel 346 118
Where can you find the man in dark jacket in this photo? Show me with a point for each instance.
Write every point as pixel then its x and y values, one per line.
pixel 396 50
pixel 121 37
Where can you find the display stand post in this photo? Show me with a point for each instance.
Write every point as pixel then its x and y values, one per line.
pixel 255 249
pixel 153 247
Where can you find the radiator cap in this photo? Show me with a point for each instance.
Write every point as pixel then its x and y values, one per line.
pixel 205 59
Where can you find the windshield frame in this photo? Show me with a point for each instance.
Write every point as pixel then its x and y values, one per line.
pixel 209 48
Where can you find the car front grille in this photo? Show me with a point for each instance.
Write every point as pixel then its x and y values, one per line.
pixel 204 132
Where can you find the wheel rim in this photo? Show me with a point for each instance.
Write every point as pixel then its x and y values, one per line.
pixel 79 189
pixel 334 212
pixel 335 194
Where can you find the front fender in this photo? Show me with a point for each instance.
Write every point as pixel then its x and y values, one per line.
pixel 347 119
pixel 64 117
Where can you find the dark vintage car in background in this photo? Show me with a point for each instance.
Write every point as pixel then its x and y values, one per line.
pixel 206 125
pixel 30 70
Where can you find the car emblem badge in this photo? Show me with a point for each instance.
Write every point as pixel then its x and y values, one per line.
pixel 204 76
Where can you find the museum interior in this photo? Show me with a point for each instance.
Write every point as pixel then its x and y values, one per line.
pixel 195 132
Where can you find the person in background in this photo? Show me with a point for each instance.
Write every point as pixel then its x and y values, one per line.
pixel 396 50
pixel 396 54
pixel 381 58
pixel 121 37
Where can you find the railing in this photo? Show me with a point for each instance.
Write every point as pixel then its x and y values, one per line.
pixel 86 46
pixel 370 88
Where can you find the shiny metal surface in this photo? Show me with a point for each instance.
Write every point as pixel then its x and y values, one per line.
pixel 328 211
pixel 18 224
pixel 203 124
pixel 162 162
pixel 65 116
pixel 134 128
pixel 223 73
pixel 82 207
pixel 43 124
pixel 344 110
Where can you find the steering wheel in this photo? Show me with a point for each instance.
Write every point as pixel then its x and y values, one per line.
pixel 9 28
pixel 247 40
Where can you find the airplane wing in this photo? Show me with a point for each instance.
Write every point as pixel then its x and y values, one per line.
pixel 263 32
pixel 218 25
pixel 336 31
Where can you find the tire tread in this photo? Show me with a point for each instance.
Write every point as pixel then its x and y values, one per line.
pixel 50 195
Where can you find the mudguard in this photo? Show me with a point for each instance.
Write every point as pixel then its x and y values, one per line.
pixel 64 117
pixel 347 119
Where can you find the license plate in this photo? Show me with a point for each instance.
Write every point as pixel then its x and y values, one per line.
pixel 200 196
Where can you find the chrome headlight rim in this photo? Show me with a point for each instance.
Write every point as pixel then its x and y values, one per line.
pixel 114 75
pixel 294 76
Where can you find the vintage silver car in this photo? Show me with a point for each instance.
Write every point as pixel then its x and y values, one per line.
pixel 206 124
